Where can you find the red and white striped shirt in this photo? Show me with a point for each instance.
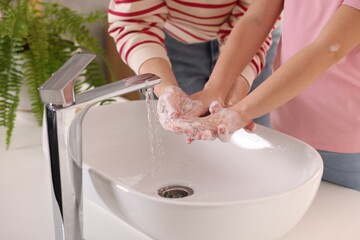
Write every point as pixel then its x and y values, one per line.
pixel 138 27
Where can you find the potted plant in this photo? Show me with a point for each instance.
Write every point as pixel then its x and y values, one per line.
pixel 36 39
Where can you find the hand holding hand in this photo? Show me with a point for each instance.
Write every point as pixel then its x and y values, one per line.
pixel 206 97
pixel 221 123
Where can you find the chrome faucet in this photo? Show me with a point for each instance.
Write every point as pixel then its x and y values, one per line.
pixel 64 113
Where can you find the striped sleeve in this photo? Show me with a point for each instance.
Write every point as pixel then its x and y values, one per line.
pixel 253 69
pixel 136 26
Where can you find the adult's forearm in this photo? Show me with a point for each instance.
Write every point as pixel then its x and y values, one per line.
pixel 161 68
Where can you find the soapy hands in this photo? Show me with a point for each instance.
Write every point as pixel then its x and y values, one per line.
pixel 221 124
pixel 179 114
pixel 174 105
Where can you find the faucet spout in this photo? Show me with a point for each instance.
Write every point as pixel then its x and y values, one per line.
pixel 59 88
pixel 64 112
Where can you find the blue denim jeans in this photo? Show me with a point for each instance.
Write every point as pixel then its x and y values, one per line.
pixel 192 64
pixel 342 168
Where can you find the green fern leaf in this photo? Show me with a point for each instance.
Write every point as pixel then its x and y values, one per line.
pixel 10 81
pixel 34 44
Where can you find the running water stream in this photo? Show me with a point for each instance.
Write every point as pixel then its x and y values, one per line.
pixel 155 139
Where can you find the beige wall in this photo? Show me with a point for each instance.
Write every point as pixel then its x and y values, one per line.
pixel 85 6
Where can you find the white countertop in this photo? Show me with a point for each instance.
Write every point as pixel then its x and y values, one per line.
pixel 26 205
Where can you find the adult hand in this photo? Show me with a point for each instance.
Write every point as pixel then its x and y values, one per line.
pixel 173 104
pixel 238 91
pixel 206 97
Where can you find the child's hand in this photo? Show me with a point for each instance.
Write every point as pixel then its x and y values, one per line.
pixel 221 123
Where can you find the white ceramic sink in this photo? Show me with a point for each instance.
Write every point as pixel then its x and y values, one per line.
pixel 258 186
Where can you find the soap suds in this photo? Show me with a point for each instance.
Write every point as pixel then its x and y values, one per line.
pixel 334 47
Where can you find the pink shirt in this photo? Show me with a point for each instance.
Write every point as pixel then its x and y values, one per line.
pixel 327 114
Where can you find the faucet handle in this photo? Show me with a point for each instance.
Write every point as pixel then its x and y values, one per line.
pixel 59 88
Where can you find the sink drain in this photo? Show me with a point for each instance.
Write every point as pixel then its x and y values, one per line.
pixel 175 191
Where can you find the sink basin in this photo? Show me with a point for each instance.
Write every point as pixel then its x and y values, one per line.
pixel 258 186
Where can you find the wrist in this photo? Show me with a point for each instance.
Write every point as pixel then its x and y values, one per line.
pixel 161 87
pixel 162 69
pixel 215 92
pixel 243 111
pixel 245 83
pixel 249 75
